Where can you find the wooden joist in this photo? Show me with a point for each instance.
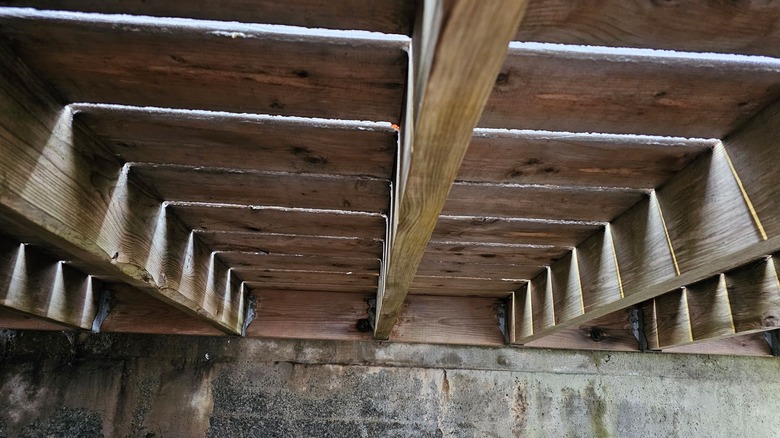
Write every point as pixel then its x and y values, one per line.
pixel 119 59
pixel 34 283
pixel 700 224
pixel 499 230
pixel 455 62
pixel 270 243
pixel 388 16
pixel 62 185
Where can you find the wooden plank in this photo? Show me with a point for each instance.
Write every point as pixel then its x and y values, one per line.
pixel 542 301
pixel 59 182
pixel 615 330
pixel 194 65
pixel 388 16
pixel 744 345
pixel 566 287
pixel 238 218
pixel 619 91
pixel 133 312
pixel 451 320
pixel 461 53
pixel 242 141
pixel 523 320
pixel 18 321
pixel 705 213
pixel 599 276
pixel 672 319
pixel 754 295
pixel 477 229
pixel 542 202
pixel 728 27
pixel 463 286
pixel 35 283
pixel 187 184
pixel 499 254
pixel 709 309
pixel 270 243
pixel 267 279
pixel 323 262
pixel 309 315
pixel 430 266
pixel 752 151
pixel 539 157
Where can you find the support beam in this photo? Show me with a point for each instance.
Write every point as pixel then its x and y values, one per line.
pixel 456 57
pixel 714 216
pixel 62 187
pixel 36 284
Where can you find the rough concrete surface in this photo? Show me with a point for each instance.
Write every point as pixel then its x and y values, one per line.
pixel 85 385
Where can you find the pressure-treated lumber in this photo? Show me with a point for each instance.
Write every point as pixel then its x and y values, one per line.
pixel 242 141
pixel 196 65
pixel 322 263
pixel 60 183
pixel 620 91
pixel 728 27
pixel 34 283
pixel 454 71
pixel 270 243
pixel 696 226
pixel 464 286
pixel 499 254
pixel 477 229
pixel 389 16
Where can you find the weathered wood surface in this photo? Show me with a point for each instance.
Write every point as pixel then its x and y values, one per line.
pixel 269 243
pixel 541 202
pixel 463 286
pixel 186 184
pixel 542 301
pixel 321 263
pixel 496 254
pixel 672 320
pixel 264 279
pixel 454 70
pixel 754 295
pixel 705 213
pixel 127 60
pixel 431 267
pixel 18 321
pixel 746 27
pixel 205 217
pixel 309 315
pixel 450 320
pixel 599 276
pixel 565 282
pixel 709 309
pixel 529 157
pixel 388 16
pixel 615 330
pixel 240 141
pixel 743 345
pixel 35 283
pixel 134 312
pixel 59 181
pixel 584 90
pixel 753 151
pixel 477 229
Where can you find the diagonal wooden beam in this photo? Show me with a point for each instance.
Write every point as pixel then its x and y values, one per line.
pixel 458 49
pixel 716 215
pixel 60 187
pixel 37 284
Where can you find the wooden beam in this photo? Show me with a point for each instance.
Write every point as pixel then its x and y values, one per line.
pixel 701 223
pixel 459 58
pixel 63 186
pixel 34 283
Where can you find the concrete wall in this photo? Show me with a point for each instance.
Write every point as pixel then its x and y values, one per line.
pixel 83 385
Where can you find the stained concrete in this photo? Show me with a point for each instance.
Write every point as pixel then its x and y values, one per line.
pixel 87 385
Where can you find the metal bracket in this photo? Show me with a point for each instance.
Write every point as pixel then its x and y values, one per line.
pixel 503 324
pixel 249 313
pixel 773 339
pixel 638 327
pixel 104 308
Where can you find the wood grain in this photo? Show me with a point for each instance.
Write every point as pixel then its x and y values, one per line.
pixel 235 141
pixel 672 320
pixel 270 243
pixel 615 329
pixel 186 184
pixel 35 283
pixel 527 157
pixel 705 212
pixel 57 180
pixel 753 151
pixel 498 254
pixel 453 77
pixel 599 276
pixel 309 315
pixel 388 16
pixel 542 301
pixel 125 60
pixel 709 309
pixel 566 288
pixel 477 229
pixel 460 286
pixel 204 217
pixel 587 91
pixel 729 27
pixel 454 320
pixel 754 294
pixel 744 345
pixel 322 263
pixel 18 321
pixel 429 266
pixel 542 202
pixel 266 279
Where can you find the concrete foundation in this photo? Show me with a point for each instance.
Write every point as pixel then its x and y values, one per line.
pixel 84 385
